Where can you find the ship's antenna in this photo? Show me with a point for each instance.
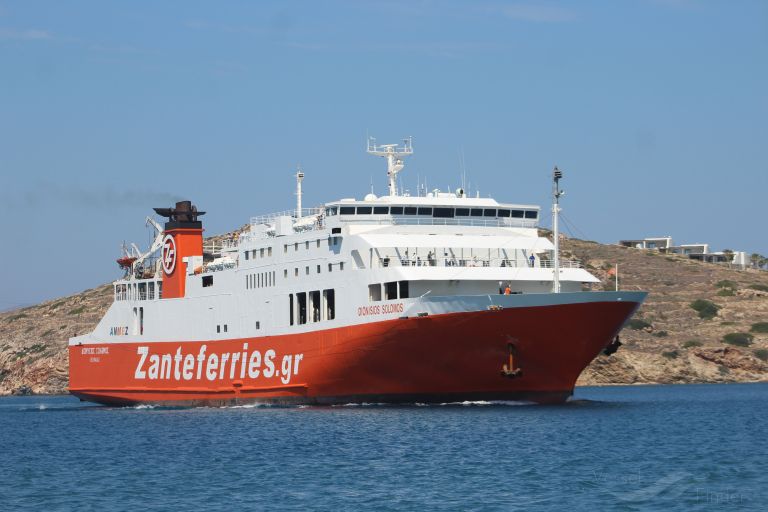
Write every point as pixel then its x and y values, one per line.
pixel 394 154
pixel 299 179
pixel 556 193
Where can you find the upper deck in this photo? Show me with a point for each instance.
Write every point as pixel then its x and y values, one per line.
pixel 435 209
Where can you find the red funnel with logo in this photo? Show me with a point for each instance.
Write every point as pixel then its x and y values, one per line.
pixel 183 239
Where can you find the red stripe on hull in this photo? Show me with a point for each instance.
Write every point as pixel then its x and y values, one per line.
pixel 441 358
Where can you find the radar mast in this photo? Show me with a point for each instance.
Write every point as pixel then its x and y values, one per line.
pixel 394 153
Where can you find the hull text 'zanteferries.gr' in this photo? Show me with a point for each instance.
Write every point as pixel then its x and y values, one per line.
pixel 437 297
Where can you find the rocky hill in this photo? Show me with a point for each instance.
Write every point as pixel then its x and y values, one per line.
pixel 667 342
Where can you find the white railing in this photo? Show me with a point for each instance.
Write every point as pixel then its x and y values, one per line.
pixel 432 221
pixel 472 262
pixel 269 219
pixel 563 264
pixel 218 246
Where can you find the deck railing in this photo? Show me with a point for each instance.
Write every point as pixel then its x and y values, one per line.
pixel 472 262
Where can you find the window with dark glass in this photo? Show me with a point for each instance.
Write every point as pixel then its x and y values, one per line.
pixel 517 214
pixel 330 304
pixel 347 210
pixel 363 210
pixel 381 210
pixel 290 307
pixel 301 298
pixel 530 214
pixel 314 300
pixel 390 290
pixel 425 211
pixel 403 289
pixel 462 212
pixel 444 213
pixel 476 212
pixel 503 213
pixel 489 213
pixel 410 210
pixel 396 210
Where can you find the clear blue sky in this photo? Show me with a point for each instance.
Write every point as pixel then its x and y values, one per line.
pixel 656 110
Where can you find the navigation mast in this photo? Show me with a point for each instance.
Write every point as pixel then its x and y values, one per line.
pixel 299 179
pixel 556 193
pixel 394 153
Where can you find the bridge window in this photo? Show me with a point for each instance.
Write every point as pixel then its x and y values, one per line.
pixel 530 214
pixel 489 213
pixel 517 214
pixel 396 210
pixel 462 212
pixel 410 210
pixel 347 210
pixel 380 210
pixel 364 210
pixel 445 213
pixel 503 213
pixel 476 212
pixel 425 211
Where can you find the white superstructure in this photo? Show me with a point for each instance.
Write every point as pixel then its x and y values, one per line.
pixel 349 262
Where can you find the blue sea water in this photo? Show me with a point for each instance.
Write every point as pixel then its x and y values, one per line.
pixel 694 447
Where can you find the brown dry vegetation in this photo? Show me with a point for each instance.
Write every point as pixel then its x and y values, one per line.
pixel 33 340
pixel 678 346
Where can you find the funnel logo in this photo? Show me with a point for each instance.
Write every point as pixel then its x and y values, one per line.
pixel 169 254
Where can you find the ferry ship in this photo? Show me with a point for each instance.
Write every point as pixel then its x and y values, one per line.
pixel 435 297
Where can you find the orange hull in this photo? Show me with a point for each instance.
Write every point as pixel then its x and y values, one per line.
pixel 440 358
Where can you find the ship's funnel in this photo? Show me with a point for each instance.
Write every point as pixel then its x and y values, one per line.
pixel 181 247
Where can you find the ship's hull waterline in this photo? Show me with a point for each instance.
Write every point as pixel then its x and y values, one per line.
pixel 437 358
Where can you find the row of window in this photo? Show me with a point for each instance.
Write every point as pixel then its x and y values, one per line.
pixel 318 269
pixel 314 306
pixel 439 212
pixel 306 244
pixel 259 280
pixel 138 291
pixel 263 252
pixel 388 291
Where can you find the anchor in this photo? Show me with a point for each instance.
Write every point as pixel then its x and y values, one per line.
pixel 509 370
pixel 612 346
